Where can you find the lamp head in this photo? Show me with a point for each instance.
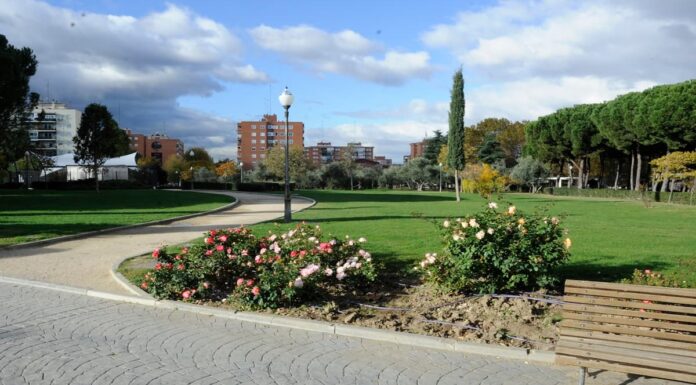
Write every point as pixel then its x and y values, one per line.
pixel 286 98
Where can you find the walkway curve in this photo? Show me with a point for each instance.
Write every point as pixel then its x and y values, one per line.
pixel 87 262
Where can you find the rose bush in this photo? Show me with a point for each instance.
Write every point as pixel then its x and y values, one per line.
pixel 498 251
pixel 270 271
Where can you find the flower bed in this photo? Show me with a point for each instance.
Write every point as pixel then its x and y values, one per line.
pixel 260 272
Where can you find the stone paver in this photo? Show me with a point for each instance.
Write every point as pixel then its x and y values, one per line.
pixel 86 263
pixel 50 337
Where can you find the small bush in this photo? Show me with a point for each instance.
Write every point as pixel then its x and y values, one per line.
pixel 498 251
pixel 260 272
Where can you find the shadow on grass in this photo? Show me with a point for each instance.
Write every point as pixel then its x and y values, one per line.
pixel 355 196
pixel 598 270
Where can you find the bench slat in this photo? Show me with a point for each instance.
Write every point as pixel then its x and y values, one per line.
pixel 587 363
pixel 679 292
pixel 629 321
pixel 629 295
pixel 682 348
pixel 585 325
pixel 628 304
pixel 629 313
pixel 628 350
pixel 625 360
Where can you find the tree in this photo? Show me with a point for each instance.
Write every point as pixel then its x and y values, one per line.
pixel 176 168
pixel 491 152
pixel 530 172
pixel 512 141
pixel 678 165
pixel 432 146
pixel 418 173
pixel 226 171
pixel 275 163
pixel 17 66
pixel 455 137
pixel 150 170
pixel 98 139
pixel 348 162
pixel 200 158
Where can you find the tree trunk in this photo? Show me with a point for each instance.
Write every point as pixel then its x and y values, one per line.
pixel 638 166
pixel 581 171
pixel 633 161
pixel 456 184
pixel 693 188
pixel 616 178
pixel 665 183
pixel 96 178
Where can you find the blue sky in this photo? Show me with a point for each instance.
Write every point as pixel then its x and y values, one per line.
pixel 372 71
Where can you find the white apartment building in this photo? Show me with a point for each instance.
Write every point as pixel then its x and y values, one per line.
pixel 52 134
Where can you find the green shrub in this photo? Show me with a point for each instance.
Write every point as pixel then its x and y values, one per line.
pixel 498 251
pixel 260 272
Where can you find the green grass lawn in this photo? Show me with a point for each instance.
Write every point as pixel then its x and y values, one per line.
pixel 610 238
pixel 33 215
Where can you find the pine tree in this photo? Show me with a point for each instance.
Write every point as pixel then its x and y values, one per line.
pixel 455 137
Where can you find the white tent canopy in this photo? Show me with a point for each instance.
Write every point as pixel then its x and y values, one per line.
pixel 114 168
pixel 68 160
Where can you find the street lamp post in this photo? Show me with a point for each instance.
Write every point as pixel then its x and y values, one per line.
pixel 286 99
pixel 178 178
pixel 241 172
pixel 26 168
pixel 440 177
pixel 191 169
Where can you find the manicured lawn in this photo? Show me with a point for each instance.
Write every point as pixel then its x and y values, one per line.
pixel 611 238
pixel 32 215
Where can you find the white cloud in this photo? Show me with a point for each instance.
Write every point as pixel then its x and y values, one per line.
pixel 627 40
pixel 345 52
pixel 138 67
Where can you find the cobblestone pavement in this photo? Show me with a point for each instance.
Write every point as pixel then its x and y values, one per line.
pixel 87 262
pixel 49 337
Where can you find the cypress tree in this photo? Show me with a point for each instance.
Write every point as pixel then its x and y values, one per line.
pixel 455 137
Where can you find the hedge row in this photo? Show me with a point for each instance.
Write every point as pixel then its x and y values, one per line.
pixel 683 198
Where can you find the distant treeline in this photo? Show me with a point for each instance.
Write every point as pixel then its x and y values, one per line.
pixel 633 128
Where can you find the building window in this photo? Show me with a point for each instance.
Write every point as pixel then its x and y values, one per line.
pixel 289 133
pixel 290 126
pixel 263 156
pixel 290 141
pixel 253 141
pixel 253 126
pixel 253 149
pixel 262 141
pixel 253 134
pixel 253 156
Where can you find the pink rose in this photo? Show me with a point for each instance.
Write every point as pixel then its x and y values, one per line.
pixel 222 238
pixel 219 247
pixel 180 266
pixel 250 282
pixel 156 253
pixel 256 291
pixel 158 266
pixel 186 294
pixel 240 281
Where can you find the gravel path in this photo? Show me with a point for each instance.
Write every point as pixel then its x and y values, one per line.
pixel 86 263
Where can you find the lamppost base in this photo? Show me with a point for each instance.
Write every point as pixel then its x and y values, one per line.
pixel 288 213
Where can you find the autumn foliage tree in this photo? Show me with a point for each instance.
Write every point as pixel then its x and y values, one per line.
pixel 676 166
pixel 227 170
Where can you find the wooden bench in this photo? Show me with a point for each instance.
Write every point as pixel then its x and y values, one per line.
pixel 635 329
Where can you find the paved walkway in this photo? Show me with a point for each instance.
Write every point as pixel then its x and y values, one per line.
pixel 49 337
pixel 86 263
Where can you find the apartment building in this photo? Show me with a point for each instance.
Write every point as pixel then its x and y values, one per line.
pixel 52 127
pixel 255 138
pixel 324 152
pixel 157 146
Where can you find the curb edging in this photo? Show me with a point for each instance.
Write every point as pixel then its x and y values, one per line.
pixel 343 330
pixel 70 237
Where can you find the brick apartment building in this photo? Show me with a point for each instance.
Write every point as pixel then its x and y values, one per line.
pixel 324 152
pixel 417 150
pixel 254 139
pixel 157 146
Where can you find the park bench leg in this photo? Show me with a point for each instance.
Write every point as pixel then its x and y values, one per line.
pixel 583 372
